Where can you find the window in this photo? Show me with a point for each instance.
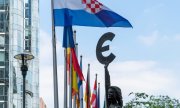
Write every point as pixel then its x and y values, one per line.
pixel 2 40
pixel 2 58
pixel 1 74
pixel 3 5
pixel 27 44
pixel 1 92
pixel 1 104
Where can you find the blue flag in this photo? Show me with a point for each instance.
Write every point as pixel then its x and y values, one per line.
pixel 86 13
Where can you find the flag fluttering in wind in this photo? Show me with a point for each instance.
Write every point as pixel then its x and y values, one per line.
pixel 80 86
pixel 68 42
pixel 94 103
pixel 74 82
pixel 86 13
pixel 87 95
pixel 79 100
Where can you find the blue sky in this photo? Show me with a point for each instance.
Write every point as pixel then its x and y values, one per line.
pixel 147 56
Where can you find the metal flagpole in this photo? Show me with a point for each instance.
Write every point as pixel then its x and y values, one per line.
pixel 81 89
pixel 65 78
pixel 98 95
pixel 76 48
pixel 70 80
pixel 96 90
pixel 55 79
pixel 89 92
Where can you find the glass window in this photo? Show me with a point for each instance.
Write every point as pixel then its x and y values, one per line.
pixel 1 105
pixel 27 44
pixel 26 23
pixel 2 73
pixel 1 92
pixel 3 4
pixel 1 58
pixel 27 13
pixel 27 33
pixel 2 26
pixel 2 41
pixel 1 16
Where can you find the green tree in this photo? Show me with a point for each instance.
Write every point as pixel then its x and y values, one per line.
pixel 143 100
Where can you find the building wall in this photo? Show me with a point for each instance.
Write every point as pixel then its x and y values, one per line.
pixel 4 53
pixel 19 33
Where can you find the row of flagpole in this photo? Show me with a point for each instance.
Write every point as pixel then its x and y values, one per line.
pixel 68 97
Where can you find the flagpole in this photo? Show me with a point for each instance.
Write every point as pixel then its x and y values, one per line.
pixel 70 80
pixel 98 95
pixel 55 79
pixel 89 93
pixel 81 90
pixel 76 48
pixel 96 91
pixel 65 78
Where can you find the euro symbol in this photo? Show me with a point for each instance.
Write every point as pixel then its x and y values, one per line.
pixel 99 49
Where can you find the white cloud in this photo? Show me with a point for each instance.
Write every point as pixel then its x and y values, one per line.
pixel 150 39
pixel 46 68
pixel 144 76
pixel 137 76
pixel 177 37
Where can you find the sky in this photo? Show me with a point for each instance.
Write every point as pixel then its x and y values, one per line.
pixel 147 55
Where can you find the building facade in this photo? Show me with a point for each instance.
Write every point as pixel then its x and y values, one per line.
pixel 19 23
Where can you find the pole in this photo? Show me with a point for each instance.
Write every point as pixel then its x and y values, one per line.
pixel 98 95
pixel 96 92
pixel 24 70
pixel 107 85
pixel 89 92
pixel 70 80
pixel 55 79
pixel 24 88
pixel 81 88
pixel 65 78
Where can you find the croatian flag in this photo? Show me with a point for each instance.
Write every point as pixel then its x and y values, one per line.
pixel 86 13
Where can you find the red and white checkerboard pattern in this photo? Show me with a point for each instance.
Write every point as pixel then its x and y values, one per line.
pixel 92 6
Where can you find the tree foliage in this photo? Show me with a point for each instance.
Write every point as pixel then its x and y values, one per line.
pixel 143 100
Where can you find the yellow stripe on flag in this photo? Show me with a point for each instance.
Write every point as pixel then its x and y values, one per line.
pixel 74 82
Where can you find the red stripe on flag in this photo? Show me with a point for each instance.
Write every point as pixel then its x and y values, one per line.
pixel 76 65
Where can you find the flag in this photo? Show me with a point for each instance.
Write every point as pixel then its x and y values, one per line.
pixel 88 91
pixel 68 64
pixel 80 86
pixel 86 13
pixel 94 95
pixel 68 42
pixel 74 82
pixel 79 100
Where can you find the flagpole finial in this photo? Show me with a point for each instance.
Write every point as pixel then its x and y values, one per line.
pixel 98 83
pixel 96 74
pixel 81 56
pixel 88 65
pixel 74 31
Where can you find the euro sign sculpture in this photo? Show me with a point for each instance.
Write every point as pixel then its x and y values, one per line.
pixel 100 49
pixel 110 92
